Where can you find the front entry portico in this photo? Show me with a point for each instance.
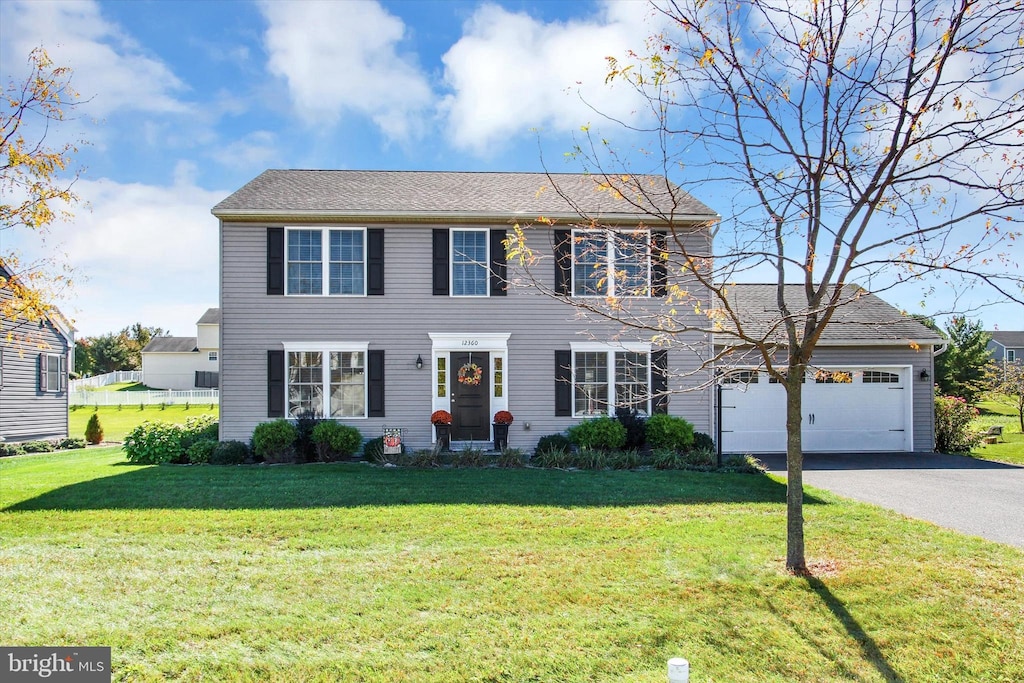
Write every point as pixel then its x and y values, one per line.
pixel 470 374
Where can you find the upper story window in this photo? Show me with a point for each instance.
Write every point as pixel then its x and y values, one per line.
pixel 337 256
pixel 52 372
pixel 611 263
pixel 470 274
pixel 212 356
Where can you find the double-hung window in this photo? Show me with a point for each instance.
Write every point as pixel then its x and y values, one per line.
pixel 609 378
pixel 52 372
pixel 331 261
pixel 327 382
pixel 470 261
pixel 611 263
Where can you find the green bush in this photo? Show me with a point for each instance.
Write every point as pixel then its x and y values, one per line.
pixel 8 449
pixel 511 458
pixel 700 458
pixel 305 447
pixel 702 442
pixel 636 428
pixel 669 431
pixel 552 457
pixel 229 453
pixel 668 459
pixel 198 428
pixel 624 460
pixel 553 442
pixel 744 464
pixel 603 433
pixel 37 446
pixel 953 433
pixel 93 429
pixel 153 443
pixel 590 459
pixel 470 457
pixel 274 441
pixel 424 457
pixel 334 440
pixel 200 451
pixel 70 443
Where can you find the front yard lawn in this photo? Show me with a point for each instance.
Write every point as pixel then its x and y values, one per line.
pixel 352 572
pixel 117 423
pixel 1009 448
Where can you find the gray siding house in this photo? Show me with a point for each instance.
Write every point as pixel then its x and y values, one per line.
pixel 1006 346
pixel 377 298
pixel 35 357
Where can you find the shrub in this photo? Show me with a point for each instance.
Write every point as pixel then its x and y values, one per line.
pixel 37 446
pixel 275 441
pixel 70 443
pixel 229 453
pixel 199 428
pixel 953 432
pixel 305 447
pixel 93 430
pixel 425 457
pixel 702 442
pixel 153 443
pixel 199 452
pixel 589 459
pixel 744 464
pixel 553 457
pixel 8 449
pixel 373 450
pixel 624 460
pixel 470 457
pixel 700 458
pixel 604 433
pixel 553 442
pixel 334 440
pixel 636 427
pixel 669 431
pixel 667 459
pixel 511 458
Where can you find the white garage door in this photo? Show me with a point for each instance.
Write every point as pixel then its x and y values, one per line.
pixel 847 409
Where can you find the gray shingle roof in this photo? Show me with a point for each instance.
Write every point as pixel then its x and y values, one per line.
pixel 171 345
pixel 1010 338
pixel 211 317
pixel 863 318
pixel 412 193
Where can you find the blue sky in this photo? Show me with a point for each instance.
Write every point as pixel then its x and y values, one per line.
pixel 189 100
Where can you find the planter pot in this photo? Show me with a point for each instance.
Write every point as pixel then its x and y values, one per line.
pixel 500 437
pixel 443 433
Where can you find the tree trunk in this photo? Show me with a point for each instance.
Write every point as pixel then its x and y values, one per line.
pixel 795 560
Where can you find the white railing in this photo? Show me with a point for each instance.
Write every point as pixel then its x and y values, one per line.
pixel 104 380
pixel 149 398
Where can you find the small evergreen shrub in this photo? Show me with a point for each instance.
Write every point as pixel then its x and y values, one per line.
pixel 70 443
pixel 154 443
pixel 199 452
pixel 667 459
pixel 334 440
pixel 229 453
pixel 511 458
pixel 553 442
pixel 93 429
pixel 603 433
pixel 700 458
pixel 589 459
pixel 8 449
pixel 553 457
pixel 953 433
pixel 275 441
pixel 636 428
pixel 624 460
pixel 37 447
pixel 669 431
pixel 305 447
pixel 702 442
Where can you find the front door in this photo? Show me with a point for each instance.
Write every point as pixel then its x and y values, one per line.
pixel 470 397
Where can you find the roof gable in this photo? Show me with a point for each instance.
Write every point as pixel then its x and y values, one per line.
pixel 1010 338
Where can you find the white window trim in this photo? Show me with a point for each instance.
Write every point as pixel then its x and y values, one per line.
pixel 610 263
pixel 451 264
pixel 609 350
pixel 325 259
pixel 325 349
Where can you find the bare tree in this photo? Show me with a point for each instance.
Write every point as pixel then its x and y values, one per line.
pixel 866 145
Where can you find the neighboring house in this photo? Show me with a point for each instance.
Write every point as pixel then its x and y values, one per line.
pixel 378 297
pixel 1006 346
pixel 183 363
pixel 35 357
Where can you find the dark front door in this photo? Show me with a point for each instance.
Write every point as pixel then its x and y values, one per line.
pixel 471 405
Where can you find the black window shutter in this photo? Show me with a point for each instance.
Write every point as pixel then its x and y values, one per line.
pixel 563 262
pixel 375 262
pixel 499 269
pixel 43 358
pixel 375 382
pixel 440 262
pixel 659 381
pixel 275 261
pixel 659 264
pixel 275 383
pixel 563 383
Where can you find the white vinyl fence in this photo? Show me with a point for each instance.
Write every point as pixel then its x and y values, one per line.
pixel 149 398
pixel 104 380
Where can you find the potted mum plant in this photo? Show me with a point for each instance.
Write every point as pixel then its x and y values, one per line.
pixel 502 419
pixel 442 421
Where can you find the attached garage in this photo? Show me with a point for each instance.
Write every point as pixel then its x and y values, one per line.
pixel 865 409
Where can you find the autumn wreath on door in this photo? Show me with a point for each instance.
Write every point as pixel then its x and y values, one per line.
pixel 470 374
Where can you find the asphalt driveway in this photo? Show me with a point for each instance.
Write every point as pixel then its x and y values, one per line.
pixel 976 497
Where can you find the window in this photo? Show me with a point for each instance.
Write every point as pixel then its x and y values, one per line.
pixel 1011 355
pixel 212 356
pixel 52 375
pixel 470 276
pixel 742 377
pixel 879 377
pixel 629 382
pixel 344 254
pixel 611 263
pixel 339 375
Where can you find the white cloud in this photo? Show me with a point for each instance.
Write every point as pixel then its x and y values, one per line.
pixel 111 70
pixel 339 57
pixel 257 150
pixel 510 73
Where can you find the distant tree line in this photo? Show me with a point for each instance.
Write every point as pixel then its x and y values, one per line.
pixel 112 352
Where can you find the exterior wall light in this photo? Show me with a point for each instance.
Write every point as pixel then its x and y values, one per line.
pixel 419 362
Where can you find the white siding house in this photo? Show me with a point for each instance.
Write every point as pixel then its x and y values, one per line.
pixel 183 363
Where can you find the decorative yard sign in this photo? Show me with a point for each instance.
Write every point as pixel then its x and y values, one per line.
pixel 392 440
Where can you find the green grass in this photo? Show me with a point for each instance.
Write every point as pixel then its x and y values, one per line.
pixel 351 572
pixel 122 386
pixel 117 423
pixel 1010 447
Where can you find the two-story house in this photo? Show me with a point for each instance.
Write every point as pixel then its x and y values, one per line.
pixel 1006 346
pixel 378 297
